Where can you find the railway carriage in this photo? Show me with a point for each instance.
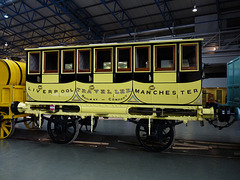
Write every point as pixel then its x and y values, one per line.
pixel 155 84
pixel 233 82
pixel 228 113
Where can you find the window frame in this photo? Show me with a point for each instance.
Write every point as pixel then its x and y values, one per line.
pixel 149 59
pixel 117 59
pixel 62 60
pixel 171 69
pixel 44 64
pixel 95 59
pixel 195 68
pixel 39 67
pixel 90 61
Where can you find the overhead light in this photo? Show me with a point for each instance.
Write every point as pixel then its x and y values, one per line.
pixel 6 44
pixel 194 8
pixel 6 16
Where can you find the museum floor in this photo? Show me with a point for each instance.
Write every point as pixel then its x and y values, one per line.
pixel 113 153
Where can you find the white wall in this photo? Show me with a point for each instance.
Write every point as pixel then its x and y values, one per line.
pixel 214 82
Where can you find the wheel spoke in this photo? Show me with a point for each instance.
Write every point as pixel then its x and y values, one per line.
pixel 6 130
pixel 161 137
pixel 8 125
pixel 62 129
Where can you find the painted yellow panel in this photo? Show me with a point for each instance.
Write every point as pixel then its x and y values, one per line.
pixel 6 95
pixel 50 78
pixel 103 77
pixel 164 77
pixel 110 93
pixel 19 93
pixel 168 93
pixel 50 92
pixel 164 93
pixel 189 93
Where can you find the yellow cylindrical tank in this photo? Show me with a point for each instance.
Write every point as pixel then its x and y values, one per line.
pixel 12 72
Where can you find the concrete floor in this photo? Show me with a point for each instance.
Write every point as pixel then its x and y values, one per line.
pixel 23 159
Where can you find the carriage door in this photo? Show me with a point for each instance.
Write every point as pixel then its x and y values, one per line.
pixel 142 76
pixel 123 74
pixel 84 74
pixel 164 88
pixel 103 87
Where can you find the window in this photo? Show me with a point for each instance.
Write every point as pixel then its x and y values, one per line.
pixel 142 58
pixel 189 56
pixel 103 59
pixel 34 62
pixel 51 62
pixel 165 58
pixel 124 58
pixel 68 61
pixel 84 59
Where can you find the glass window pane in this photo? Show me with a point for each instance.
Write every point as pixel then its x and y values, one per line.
pixel 142 58
pixel 68 61
pixel 165 58
pixel 34 60
pixel 189 58
pixel 51 62
pixel 124 59
pixel 84 60
pixel 104 59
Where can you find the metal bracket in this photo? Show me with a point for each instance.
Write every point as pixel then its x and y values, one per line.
pixel 149 126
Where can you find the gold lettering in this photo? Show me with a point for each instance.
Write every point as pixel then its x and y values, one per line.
pixel 122 91
pixel 128 90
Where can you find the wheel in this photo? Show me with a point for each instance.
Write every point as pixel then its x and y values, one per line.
pixel 161 137
pixel 7 127
pixel 87 123
pixel 62 129
pixel 32 123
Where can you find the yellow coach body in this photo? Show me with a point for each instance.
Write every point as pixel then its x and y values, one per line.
pixel 117 80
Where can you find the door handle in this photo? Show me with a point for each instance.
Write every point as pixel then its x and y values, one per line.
pixel 150 77
pixel 90 78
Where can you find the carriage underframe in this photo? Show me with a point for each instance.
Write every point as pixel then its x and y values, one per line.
pixel 155 124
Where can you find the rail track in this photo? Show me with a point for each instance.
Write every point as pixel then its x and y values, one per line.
pixel 130 143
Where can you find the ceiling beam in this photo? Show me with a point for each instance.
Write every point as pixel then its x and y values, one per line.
pixel 166 14
pixel 80 17
pixel 120 15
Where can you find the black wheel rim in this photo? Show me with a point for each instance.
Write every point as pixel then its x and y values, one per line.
pixel 161 137
pixel 7 128
pixel 62 129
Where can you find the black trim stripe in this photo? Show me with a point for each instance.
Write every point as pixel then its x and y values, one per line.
pixel 20 72
pixel 9 71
